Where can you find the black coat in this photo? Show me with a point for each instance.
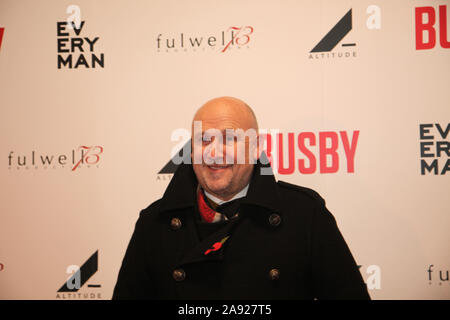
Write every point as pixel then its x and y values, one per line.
pixel 285 244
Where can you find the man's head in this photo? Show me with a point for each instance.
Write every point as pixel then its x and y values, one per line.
pixel 223 160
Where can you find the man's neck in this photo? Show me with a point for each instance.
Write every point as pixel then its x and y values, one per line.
pixel 219 201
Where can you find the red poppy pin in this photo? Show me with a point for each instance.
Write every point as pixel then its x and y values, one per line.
pixel 216 246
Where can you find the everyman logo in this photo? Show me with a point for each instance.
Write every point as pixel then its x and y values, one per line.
pixel 75 49
pixel 332 38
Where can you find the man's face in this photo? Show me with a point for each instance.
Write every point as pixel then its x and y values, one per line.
pixel 222 162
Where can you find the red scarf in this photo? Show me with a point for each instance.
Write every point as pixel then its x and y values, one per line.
pixel 206 212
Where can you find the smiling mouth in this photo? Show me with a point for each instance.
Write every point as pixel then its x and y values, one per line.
pixel 217 167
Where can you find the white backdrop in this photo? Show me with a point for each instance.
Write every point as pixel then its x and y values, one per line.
pixel 82 145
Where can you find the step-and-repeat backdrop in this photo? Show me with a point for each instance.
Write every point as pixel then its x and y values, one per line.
pixel 97 96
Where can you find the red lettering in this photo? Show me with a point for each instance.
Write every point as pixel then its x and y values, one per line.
pixel 312 159
pixel 95 157
pixel 350 150
pixel 421 27
pixel 2 30
pixel 326 157
pixel 291 167
pixel 331 151
pixel 246 36
pixel 443 27
pixel 86 157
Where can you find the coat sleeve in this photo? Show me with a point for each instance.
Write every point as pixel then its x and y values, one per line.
pixel 134 281
pixel 335 273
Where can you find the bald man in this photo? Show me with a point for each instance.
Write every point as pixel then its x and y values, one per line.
pixel 217 176
pixel 225 229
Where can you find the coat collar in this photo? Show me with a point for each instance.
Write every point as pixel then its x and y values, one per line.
pixel 181 191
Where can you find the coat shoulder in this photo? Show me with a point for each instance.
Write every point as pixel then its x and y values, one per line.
pixel 304 192
pixel 151 210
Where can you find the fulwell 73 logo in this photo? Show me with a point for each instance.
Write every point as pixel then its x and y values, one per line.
pixel 82 156
pixel 222 41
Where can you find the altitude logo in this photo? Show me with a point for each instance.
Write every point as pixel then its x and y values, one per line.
pixel 324 152
pixel 81 157
pixel 79 276
pixel 74 50
pixel 2 31
pixel 426 27
pixel 332 38
pixel 184 153
pixel 434 148
pixel 236 37
pixel 327 46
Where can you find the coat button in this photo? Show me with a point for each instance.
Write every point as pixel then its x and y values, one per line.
pixel 175 224
pixel 274 220
pixel 179 275
pixel 274 274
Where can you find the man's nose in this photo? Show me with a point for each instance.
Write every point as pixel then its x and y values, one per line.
pixel 216 151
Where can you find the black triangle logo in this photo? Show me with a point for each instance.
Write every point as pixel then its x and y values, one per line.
pixel 172 165
pixel 87 270
pixel 336 34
